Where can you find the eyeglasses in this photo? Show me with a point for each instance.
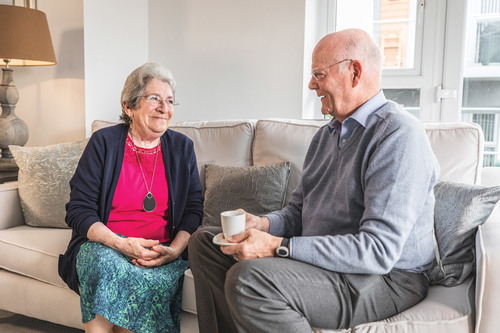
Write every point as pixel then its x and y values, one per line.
pixel 321 76
pixel 156 101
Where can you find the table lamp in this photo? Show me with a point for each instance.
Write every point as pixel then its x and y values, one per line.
pixel 24 41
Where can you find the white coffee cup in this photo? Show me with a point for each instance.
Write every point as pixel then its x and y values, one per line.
pixel 233 222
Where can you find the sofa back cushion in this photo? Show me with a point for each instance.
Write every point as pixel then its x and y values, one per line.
pixel 284 140
pixel 226 143
pixel 457 146
pixel 459 150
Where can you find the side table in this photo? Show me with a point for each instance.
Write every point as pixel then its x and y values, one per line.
pixel 8 176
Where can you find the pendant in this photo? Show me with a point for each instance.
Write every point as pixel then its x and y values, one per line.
pixel 149 203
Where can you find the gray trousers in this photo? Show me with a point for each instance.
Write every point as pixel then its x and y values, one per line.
pixel 285 295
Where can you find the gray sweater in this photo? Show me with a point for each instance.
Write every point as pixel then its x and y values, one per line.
pixel 367 207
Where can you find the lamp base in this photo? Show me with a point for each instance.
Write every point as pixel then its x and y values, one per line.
pixel 13 131
pixel 8 164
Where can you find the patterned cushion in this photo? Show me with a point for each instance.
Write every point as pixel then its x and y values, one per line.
pixel 44 174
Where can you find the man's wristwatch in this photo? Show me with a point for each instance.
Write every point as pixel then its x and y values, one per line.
pixel 282 250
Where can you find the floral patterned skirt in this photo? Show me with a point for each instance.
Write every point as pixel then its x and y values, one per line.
pixel 138 299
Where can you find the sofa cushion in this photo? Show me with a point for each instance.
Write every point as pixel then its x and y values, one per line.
pixel 98 124
pixel 188 294
pixel 443 310
pixel 44 174
pixel 459 150
pixel 256 189
pixel 226 142
pixel 34 252
pixel 284 140
pixel 459 210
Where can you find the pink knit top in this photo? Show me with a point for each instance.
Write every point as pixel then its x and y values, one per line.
pixel 127 216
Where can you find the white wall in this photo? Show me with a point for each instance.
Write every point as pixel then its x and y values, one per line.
pixel 116 42
pixel 51 98
pixel 231 58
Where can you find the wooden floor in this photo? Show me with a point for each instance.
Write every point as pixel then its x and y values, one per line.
pixel 15 323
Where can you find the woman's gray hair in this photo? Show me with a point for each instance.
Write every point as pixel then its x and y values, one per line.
pixel 136 84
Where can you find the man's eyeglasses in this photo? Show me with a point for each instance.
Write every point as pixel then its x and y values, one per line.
pixel 319 75
pixel 156 101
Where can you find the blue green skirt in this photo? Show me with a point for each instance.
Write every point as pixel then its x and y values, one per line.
pixel 138 299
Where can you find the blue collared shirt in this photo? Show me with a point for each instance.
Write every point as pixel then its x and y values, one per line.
pixel 358 118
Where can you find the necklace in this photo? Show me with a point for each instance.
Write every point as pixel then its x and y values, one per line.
pixel 149 202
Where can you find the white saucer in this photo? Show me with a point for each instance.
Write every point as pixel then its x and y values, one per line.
pixel 220 240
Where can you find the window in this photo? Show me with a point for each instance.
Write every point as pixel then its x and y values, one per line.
pixel 441 58
pixel 394 25
pixel 409 99
pixel 481 82
pixel 397 26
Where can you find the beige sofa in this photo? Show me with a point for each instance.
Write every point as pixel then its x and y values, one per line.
pixel 30 285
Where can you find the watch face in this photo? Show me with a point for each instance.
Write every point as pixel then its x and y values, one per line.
pixel 282 251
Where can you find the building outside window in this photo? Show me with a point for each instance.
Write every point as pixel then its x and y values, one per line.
pixel 394 24
pixel 481 83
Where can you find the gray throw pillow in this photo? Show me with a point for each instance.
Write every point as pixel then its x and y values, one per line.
pixel 459 210
pixel 256 189
pixel 43 181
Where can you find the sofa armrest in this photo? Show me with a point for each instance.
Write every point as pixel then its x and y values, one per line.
pixel 487 272
pixel 11 214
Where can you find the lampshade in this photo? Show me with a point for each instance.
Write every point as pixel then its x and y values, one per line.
pixel 24 41
pixel 25 37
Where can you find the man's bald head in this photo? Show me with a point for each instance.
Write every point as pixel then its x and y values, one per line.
pixel 353 44
pixel 346 68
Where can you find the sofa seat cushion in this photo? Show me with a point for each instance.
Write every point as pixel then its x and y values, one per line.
pixel 188 303
pixel 443 310
pixel 34 252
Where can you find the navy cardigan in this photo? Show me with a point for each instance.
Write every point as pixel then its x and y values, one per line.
pixel 94 182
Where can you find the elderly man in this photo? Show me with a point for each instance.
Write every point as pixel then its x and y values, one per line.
pixel 353 243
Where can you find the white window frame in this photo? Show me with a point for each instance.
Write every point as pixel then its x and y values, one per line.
pixel 429 64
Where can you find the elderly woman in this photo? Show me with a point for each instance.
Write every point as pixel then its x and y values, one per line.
pixel 135 200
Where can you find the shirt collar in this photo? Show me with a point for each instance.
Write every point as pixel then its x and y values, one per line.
pixel 362 114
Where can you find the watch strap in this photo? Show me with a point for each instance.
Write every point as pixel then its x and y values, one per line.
pixel 285 242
